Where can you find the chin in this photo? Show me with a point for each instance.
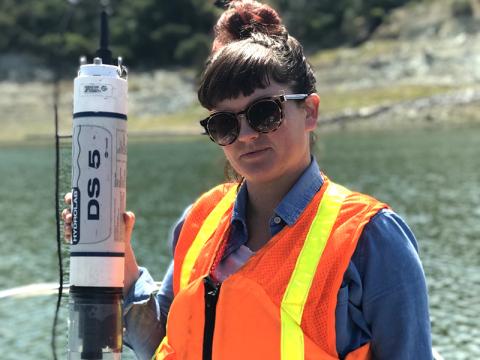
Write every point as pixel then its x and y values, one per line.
pixel 259 174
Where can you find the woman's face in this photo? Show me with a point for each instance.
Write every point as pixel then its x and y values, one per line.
pixel 284 153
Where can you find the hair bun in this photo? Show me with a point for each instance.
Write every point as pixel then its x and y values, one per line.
pixel 245 17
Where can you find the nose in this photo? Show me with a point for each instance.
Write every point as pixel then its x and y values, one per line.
pixel 246 132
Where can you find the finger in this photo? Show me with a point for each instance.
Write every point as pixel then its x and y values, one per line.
pixel 68 198
pixel 66 214
pixel 67 234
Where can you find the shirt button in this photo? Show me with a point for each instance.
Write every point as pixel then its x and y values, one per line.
pixel 277 220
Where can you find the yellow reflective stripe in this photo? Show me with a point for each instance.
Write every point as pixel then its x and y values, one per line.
pixel 163 343
pixel 206 231
pixel 295 297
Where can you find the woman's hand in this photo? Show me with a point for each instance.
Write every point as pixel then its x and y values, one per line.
pixel 131 266
pixel 67 219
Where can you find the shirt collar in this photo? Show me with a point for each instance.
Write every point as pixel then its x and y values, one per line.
pixel 300 195
pixel 294 202
pixel 240 206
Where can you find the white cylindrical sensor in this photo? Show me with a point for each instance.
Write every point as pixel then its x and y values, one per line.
pixel 99 170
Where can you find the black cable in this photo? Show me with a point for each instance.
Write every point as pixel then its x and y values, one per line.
pixel 59 244
pixel 62 28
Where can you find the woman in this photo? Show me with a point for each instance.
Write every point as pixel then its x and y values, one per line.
pixel 281 263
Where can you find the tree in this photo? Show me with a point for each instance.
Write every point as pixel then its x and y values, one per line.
pixel 152 33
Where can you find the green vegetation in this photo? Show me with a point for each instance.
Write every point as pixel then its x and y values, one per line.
pixel 366 52
pixel 340 99
pixel 329 23
pixel 150 34
pixel 382 71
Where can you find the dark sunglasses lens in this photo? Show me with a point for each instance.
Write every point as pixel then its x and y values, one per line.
pixel 223 128
pixel 265 116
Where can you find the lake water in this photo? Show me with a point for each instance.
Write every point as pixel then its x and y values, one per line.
pixel 430 177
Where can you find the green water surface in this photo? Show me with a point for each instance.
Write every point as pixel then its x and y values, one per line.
pixel 430 177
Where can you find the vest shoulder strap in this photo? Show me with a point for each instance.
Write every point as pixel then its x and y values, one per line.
pixel 200 224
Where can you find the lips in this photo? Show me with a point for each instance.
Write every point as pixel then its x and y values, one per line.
pixel 254 153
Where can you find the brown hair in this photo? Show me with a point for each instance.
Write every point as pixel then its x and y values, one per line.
pixel 252 48
pixel 243 18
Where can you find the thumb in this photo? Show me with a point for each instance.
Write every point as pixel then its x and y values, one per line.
pixel 129 221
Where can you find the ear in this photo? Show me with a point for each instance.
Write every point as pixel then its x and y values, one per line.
pixel 312 103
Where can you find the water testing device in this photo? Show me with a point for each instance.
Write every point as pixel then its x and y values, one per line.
pixel 99 171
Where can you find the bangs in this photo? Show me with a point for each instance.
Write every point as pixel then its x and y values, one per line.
pixel 236 70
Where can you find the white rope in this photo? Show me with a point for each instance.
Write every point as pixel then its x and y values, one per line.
pixel 37 289
pixel 31 290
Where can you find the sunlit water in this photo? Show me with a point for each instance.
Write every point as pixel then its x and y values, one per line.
pixel 430 177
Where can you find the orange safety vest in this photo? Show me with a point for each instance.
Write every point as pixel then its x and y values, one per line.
pixel 281 303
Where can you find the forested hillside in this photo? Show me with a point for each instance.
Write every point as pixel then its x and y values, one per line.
pixel 419 67
pixel 151 33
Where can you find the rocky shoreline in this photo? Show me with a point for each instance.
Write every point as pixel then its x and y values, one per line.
pixel 410 73
pixel 442 50
pixel 425 111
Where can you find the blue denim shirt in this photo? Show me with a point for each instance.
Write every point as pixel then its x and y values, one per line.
pixel 383 297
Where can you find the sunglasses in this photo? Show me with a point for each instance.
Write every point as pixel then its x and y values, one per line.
pixel 263 115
